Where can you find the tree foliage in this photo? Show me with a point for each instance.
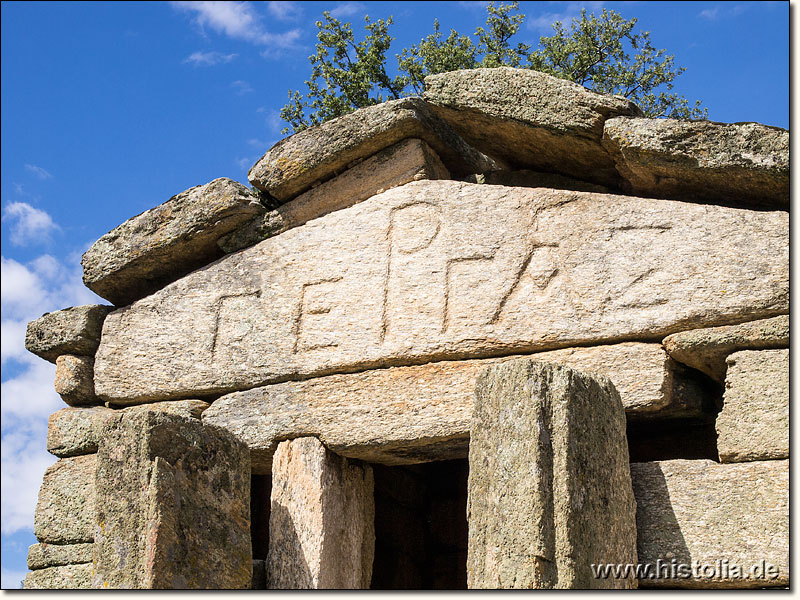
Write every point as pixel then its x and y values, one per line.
pixel 596 52
pixel 602 53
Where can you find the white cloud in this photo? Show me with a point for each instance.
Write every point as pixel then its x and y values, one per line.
pixel 242 87
pixel 27 397
pixel 38 171
pixel 544 21
pixel 11 580
pixel 28 224
pixel 473 5
pixel 29 291
pixel 255 142
pixel 274 121
pixel 284 10
pixel 347 9
pixel 237 20
pixel 209 59
pixel 246 162
pixel 23 456
pixel 723 11
pixel 710 13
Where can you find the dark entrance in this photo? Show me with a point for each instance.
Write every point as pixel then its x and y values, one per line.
pixel 421 526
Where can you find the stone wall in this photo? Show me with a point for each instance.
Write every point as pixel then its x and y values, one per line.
pixel 508 334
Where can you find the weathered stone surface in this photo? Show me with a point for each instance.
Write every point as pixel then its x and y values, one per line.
pixel 321 528
pixel 442 269
pixel 318 153
pixel 754 421
pixel 549 484
pixel 173 505
pixel 166 242
pixel 65 510
pixel 526 178
pixel 67 577
pixel 707 349
pixel 74 330
pixel 697 512
pixel 415 414
pixel 530 119
pixel 734 163
pixel 409 160
pixel 75 431
pixel 75 380
pixel 41 556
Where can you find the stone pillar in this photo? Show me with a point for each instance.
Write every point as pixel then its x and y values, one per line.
pixel 549 484
pixel 322 519
pixel 172 505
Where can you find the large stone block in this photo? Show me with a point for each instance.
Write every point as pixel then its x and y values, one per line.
pixel 754 421
pixel 65 510
pixel 75 380
pixel 414 414
pixel 549 483
pixel 173 505
pixel 319 153
pixel 409 160
pixel 41 556
pixel 743 164
pixel 74 330
pixel 530 119
pixel 707 349
pixel 165 243
pixel 73 431
pixel 67 577
pixel 438 270
pixel 321 528
pixel 700 523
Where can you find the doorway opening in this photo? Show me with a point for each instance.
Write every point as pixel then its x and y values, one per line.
pixel 421 526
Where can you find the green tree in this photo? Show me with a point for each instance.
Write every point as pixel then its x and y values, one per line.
pixel 596 52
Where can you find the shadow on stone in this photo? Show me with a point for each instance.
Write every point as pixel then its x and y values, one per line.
pixel 660 541
pixel 286 564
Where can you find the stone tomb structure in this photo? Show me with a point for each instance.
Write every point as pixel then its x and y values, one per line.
pixel 511 334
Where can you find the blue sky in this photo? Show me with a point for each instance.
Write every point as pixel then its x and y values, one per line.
pixel 108 109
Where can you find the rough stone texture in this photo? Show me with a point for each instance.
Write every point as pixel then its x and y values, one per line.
pixel 702 512
pixel 75 431
pixel 754 421
pixel 259 575
pixel 164 243
pixel 319 153
pixel 409 160
pixel 173 505
pixel 65 510
pixel 321 528
pixel 707 349
pixel 75 380
pixel 405 415
pixel 549 484
pixel 530 119
pixel 41 556
pixel 442 269
pixel 526 178
pixel 67 577
pixel 734 163
pixel 74 330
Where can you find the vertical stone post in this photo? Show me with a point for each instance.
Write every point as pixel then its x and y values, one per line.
pixel 322 519
pixel 550 491
pixel 172 505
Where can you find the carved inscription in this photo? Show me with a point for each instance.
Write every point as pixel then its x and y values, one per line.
pixel 314 328
pixel 440 283
pixel 232 326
